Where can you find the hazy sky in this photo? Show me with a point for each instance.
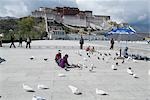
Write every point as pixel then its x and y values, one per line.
pixel 131 11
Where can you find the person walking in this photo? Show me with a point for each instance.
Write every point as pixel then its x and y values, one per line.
pixel 20 42
pixel 28 41
pixel 112 43
pixel 12 41
pixel 81 42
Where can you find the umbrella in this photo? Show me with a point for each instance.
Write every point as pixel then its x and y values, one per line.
pixel 120 34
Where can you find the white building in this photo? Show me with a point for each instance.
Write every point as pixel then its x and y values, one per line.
pixel 70 16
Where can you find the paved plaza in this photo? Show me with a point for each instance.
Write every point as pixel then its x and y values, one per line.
pixel 19 69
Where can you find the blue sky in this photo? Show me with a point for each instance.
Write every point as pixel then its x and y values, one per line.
pixel 135 12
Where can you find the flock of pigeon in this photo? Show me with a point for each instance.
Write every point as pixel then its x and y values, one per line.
pixel 99 56
pixel 106 57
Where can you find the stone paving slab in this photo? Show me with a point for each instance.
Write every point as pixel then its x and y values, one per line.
pixel 19 69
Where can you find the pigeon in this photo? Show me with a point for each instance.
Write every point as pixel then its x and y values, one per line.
pixel 117 63
pixel 92 67
pixel 135 76
pixel 113 67
pixel 135 61
pixel 32 57
pixel 2 60
pixel 100 54
pixel 75 90
pixel 38 98
pixel 103 58
pixel 61 75
pixel 98 58
pixel 100 92
pixel 0 96
pixel 45 59
pixel 105 54
pixel 28 88
pixel 109 54
pixel 117 54
pixel 130 71
pixel 89 56
pixel 85 59
pixel 122 61
pixel 40 86
pixel 115 58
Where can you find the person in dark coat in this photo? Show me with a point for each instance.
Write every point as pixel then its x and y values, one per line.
pixel 12 42
pixel 28 41
pixel 112 43
pixel 81 42
pixel 20 42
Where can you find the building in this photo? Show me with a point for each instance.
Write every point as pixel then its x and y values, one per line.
pixel 70 16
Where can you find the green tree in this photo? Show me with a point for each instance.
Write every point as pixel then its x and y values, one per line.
pixel 26 26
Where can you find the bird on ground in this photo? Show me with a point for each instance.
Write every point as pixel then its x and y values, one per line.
pixel 40 86
pixel 122 61
pixel 117 64
pixel 32 57
pixel 74 90
pixel 113 67
pixel 61 75
pixel 45 59
pixel 135 61
pixel 129 70
pixel 100 92
pixel 92 68
pixel 85 59
pixel 28 88
pixel 109 54
pixel 38 98
pixel 100 54
pixel 117 54
pixel 98 58
pixel 2 60
pixel 105 54
pixel 135 76
pixel 103 58
pixel 114 58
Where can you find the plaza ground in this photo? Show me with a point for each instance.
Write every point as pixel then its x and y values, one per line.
pixel 19 69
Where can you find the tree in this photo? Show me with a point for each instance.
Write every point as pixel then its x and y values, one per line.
pixel 25 26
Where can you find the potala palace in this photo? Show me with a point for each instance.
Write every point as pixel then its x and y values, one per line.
pixel 72 18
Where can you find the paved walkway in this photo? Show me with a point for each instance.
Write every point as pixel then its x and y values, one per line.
pixel 19 69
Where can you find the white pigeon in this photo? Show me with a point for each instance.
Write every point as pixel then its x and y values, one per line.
pixel 135 76
pixel 85 59
pixel 74 90
pixel 40 86
pixel 129 71
pixel 38 98
pixel 28 88
pixel 129 58
pixel 113 67
pixel 135 61
pixel 32 57
pixel 61 75
pixel 100 92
